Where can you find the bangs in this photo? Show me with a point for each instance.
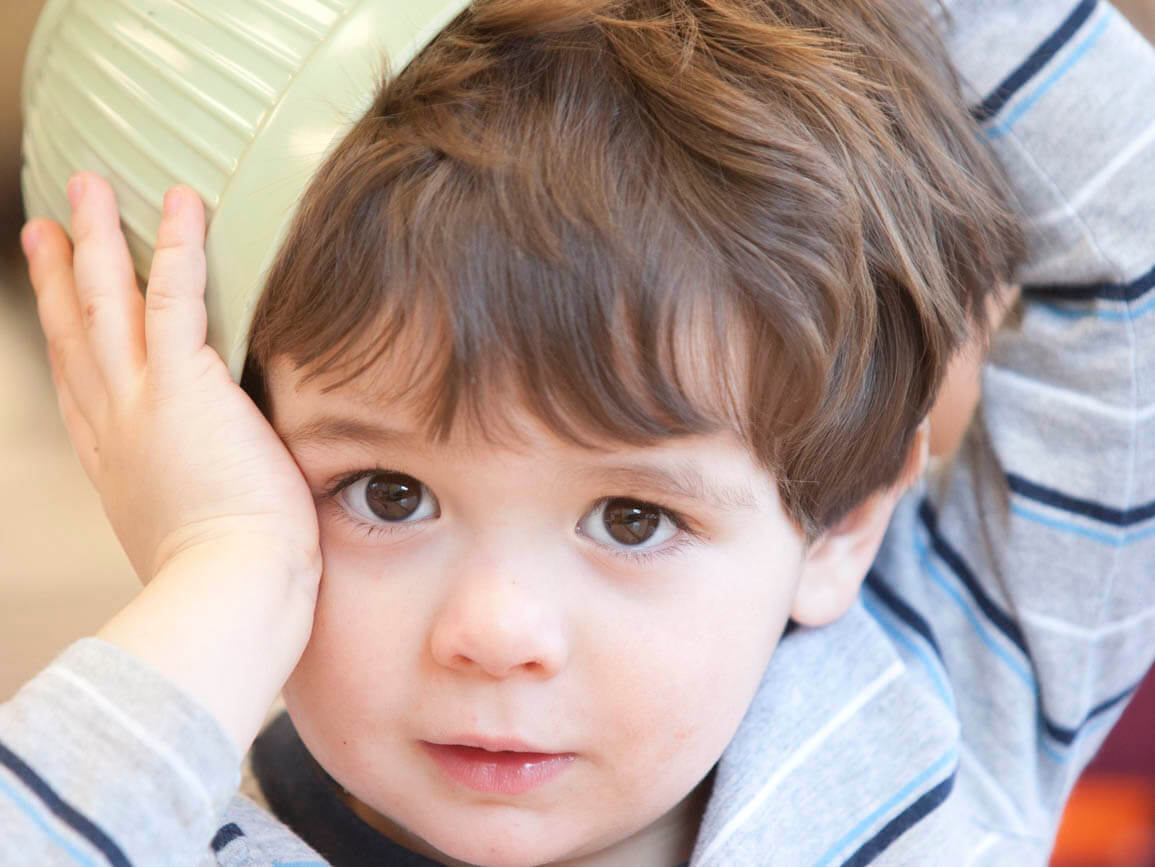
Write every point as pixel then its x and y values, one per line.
pixel 642 220
pixel 470 302
pixel 458 262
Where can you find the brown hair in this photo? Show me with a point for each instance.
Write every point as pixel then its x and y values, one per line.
pixel 650 218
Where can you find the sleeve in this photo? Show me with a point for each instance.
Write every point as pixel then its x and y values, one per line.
pixel 104 762
pixel 1033 557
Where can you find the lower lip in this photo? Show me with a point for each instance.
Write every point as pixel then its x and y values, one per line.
pixel 504 773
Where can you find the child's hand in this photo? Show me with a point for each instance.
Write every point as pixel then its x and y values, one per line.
pixel 180 455
pixel 206 500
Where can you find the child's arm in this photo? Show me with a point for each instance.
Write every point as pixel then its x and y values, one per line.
pixel 210 507
pixel 1034 562
pixel 215 517
pixel 104 761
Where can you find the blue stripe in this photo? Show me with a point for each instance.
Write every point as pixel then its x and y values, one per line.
pixel 68 814
pixel 989 640
pixel 900 796
pixel 1067 736
pixel 225 835
pixel 954 560
pixel 901 609
pixel 1118 538
pixel 927 663
pixel 1062 734
pixel 1076 55
pixel 1037 59
pixel 1129 291
pixel 1079 506
pixel 902 823
pixel 49 832
pixel 1051 752
pixel 1092 723
pixel 1127 314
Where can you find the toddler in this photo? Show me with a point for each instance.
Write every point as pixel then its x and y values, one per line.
pixel 595 373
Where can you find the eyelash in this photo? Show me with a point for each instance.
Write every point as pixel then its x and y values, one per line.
pixel 687 538
pixel 370 531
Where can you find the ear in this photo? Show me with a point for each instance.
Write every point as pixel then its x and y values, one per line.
pixel 837 561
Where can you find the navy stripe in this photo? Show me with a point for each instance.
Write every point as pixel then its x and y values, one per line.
pixel 900 824
pixel 1131 291
pixel 1067 736
pixel 66 813
pixel 1038 58
pixel 952 558
pixel 901 610
pixel 1007 626
pixel 225 835
pixel 1078 506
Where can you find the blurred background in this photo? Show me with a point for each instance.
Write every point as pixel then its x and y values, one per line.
pixel 62 573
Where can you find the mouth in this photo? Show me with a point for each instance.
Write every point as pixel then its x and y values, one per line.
pixel 493 770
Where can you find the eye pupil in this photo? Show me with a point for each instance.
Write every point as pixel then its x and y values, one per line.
pixel 393 496
pixel 631 522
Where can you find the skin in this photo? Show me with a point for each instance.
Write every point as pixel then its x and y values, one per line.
pixel 202 517
pixel 519 624
pixel 962 385
pixel 506 610
pixel 524 618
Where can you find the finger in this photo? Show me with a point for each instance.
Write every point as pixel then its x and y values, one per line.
pixel 50 269
pixel 111 308
pixel 175 320
pixel 79 432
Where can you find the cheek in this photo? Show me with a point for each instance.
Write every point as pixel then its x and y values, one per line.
pixel 678 684
pixel 352 673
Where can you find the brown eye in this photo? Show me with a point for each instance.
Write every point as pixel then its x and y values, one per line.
pixel 621 523
pixel 393 496
pixel 631 522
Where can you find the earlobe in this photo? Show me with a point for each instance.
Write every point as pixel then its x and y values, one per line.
pixel 837 561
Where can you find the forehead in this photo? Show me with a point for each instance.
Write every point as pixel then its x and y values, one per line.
pixel 353 420
pixel 617 368
pixel 688 377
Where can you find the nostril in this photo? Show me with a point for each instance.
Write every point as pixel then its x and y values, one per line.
pixel 465 662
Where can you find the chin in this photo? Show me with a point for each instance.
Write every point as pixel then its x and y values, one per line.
pixel 496 844
pixel 503 858
pixel 494 852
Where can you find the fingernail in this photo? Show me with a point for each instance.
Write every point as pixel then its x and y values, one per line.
pixel 29 239
pixel 75 190
pixel 171 202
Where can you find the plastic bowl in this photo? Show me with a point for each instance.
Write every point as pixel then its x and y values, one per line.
pixel 242 100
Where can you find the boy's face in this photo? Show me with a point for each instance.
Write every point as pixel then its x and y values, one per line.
pixel 529 598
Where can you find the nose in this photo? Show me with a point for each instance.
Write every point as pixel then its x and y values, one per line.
pixel 499 621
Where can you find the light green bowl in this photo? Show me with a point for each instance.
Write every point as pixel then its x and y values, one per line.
pixel 240 99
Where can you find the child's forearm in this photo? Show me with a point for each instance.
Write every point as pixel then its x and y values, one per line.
pixel 226 624
pixel 104 761
pixel 1036 548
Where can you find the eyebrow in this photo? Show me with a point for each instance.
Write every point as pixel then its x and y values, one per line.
pixel 684 479
pixel 333 430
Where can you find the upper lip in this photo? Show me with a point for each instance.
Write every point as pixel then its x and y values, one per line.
pixel 491 744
